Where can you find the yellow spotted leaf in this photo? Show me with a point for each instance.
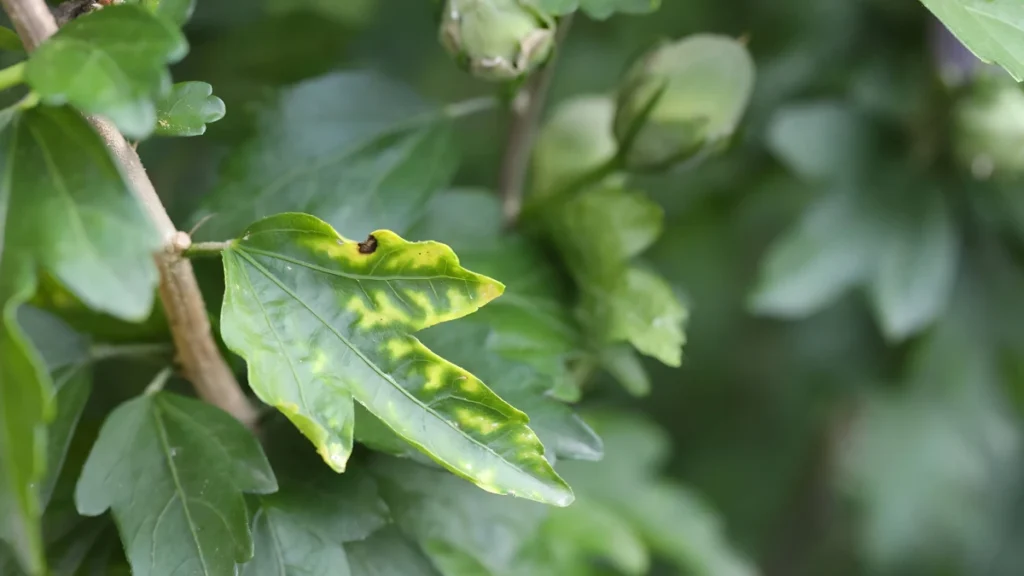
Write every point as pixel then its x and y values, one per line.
pixel 323 320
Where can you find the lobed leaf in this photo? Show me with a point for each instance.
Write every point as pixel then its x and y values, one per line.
pixel 323 320
pixel 187 109
pixel 173 470
pixel 111 62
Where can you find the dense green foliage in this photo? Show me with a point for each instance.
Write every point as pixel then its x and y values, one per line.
pixel 760 313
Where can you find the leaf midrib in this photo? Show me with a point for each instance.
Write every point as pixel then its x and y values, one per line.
pixel 348 275
pixel 164 443
pixel 242 252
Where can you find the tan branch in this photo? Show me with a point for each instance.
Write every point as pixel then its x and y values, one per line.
pixel 183 303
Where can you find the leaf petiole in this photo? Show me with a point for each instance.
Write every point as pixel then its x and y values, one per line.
pixel 158 382
pixel 206 249
pixel 12 75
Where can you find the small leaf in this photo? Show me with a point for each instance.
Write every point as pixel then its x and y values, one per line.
pixel 354 149
pixel 916 269
pixel 111 62
pixel 302 528
pixel 821 140
pixel 323 320
pixel 625 366
pixel 176 11
pixel 992 29
pixel 174 470
pixel 639 307
pixel 187 109
pixel 828 252
pixel 387 553
pixel 606 227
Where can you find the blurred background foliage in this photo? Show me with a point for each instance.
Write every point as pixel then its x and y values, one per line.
pixel 849 400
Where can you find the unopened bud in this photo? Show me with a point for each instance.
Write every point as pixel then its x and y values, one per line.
pixel 497 40
pixel 682 99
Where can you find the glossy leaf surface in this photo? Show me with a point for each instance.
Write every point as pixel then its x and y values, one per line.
pixel 97 64
pixel 324 320
pixel 187 109
pixel 173 471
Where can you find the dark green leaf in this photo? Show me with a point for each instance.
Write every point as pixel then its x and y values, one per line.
pixel 387 553
pixel 354 149
pixel 9 40
pixel 452 523
pixel 671 520
pixel 112 62
pixel 64 209
pixel 302 528
pixel 174 470
pixel 992 29
pixel 187 109
pixel 324 320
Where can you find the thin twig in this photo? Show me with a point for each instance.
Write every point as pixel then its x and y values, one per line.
pixel 527 108
pixel 183 304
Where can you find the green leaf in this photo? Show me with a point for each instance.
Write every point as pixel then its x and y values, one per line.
pixel 387 553
pixel 302 528
pixel 672 521
pixel 599 9
pixel 821 140
pixel 577 139
pixel 588 530
pixel 465 343
pixel 187 109
pixel 175 11
pixel 625 366
pixel 530 322
pixel 637 306
pixel 992 29
pixel 174 470
pixel 917 268
pixel 65 210
pixel 829 251
pixel 111 62
pixel 9 40
pixel 603 228
pixel 323 320
pixel 354 149
pixel 453 524
pixel 599 233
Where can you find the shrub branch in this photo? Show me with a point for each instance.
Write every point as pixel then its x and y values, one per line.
pixel 197 352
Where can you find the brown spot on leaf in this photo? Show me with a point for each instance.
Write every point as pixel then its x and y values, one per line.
pixel 369 246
